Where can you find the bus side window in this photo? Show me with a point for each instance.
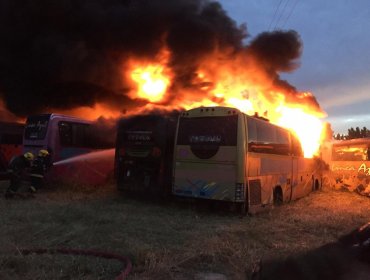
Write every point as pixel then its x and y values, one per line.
pixel 282 146
pixel 79 135
pixel 65 133
pixel 72 134
pixel 263 137
pixel 266 137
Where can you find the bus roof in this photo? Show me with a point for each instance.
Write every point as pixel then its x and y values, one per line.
pixel 55 115
pixel 210 111
pixel 218 111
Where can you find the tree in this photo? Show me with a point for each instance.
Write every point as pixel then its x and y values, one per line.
pixel 354 133
pixel 365 132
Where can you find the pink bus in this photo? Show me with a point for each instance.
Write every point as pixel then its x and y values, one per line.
pixel 63 136
pixel 68 138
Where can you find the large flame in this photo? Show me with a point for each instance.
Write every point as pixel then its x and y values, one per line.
pixel 236 82
pixel 151 78
pixel 306 126
pixel 152 83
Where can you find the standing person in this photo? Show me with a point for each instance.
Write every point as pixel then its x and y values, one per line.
pixel 39 168
pixel 19 167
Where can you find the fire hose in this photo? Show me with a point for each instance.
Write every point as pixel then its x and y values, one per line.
pixel 123 259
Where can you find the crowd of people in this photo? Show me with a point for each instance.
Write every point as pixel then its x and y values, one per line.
pixel 27 170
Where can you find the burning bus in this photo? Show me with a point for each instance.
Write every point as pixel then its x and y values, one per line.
pixel 68 139
pixel 144 154
pixel 349 164
pixel 225 155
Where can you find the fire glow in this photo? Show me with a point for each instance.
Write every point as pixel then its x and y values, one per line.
pixel 151 81
pixel 245 88
pixel 150 78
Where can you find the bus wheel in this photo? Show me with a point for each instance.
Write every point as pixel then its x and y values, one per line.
pixel 278 196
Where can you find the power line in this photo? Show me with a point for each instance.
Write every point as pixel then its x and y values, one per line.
pixel 273 18
pixel 281 14
pixel 290 13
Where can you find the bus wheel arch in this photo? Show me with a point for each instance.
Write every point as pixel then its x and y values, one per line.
pixel 278 196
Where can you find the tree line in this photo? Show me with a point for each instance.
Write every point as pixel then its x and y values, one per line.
pixel 353 133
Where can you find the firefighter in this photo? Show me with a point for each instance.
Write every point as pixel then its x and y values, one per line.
pixel 19 167
pixel 39 168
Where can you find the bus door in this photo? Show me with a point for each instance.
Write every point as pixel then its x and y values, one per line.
pixel 206 157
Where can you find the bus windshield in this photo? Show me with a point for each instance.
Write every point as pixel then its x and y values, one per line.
pixel 36 127
pixel 206 134
pixel 141 131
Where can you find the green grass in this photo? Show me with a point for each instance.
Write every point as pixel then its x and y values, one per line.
pixel 164 241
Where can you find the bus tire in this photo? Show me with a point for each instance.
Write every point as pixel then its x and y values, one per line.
pixel 278 196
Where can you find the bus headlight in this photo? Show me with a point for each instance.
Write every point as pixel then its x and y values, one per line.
pixel 239 191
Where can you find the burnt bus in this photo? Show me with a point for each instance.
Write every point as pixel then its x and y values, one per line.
pixel 349 164
pixel 144 154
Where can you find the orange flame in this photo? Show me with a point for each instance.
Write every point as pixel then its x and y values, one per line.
pixel 307 127
pixel 151 78
pixel 236 82
pixel 152 83
pixel 91 113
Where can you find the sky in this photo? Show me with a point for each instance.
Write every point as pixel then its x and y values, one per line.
pixel 335 62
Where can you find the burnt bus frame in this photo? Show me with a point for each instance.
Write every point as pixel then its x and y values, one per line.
pixel 161 166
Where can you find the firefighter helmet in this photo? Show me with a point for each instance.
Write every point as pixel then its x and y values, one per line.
pixel 29 156
pixel 43 153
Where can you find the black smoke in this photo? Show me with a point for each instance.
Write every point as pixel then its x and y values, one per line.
pixel 279 51
pixel 69 53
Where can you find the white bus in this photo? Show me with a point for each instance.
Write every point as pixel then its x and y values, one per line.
pixel 223 154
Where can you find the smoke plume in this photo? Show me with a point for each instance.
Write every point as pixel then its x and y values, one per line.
pixel 66 54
